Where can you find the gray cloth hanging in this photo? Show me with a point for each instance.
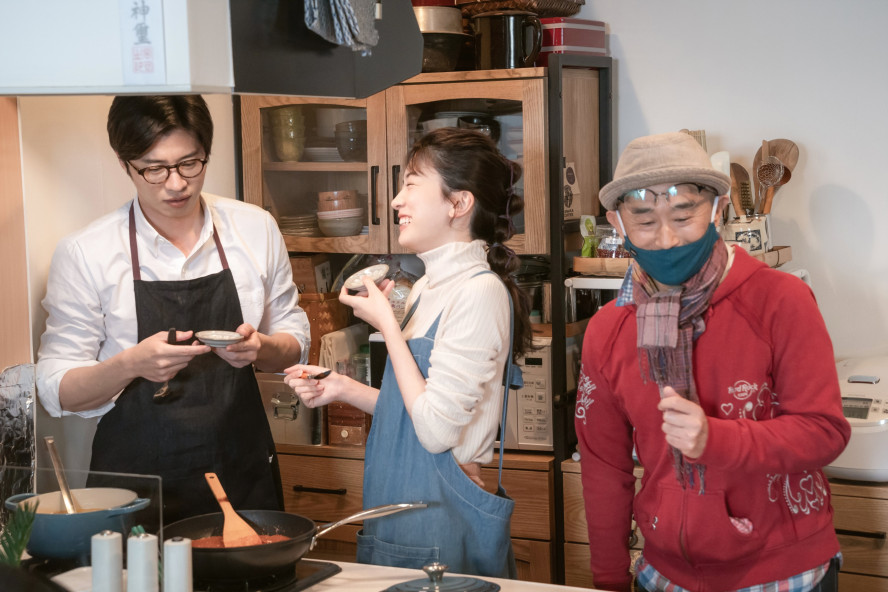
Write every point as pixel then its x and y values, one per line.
pixel 344 22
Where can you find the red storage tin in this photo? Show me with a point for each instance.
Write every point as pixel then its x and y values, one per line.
pixel 571 35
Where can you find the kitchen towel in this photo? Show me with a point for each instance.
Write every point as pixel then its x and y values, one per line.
pixel 344 22
pixel 337 347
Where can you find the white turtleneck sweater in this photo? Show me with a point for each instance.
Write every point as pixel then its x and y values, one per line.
pixel 461 406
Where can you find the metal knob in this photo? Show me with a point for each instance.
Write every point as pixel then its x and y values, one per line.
pixel 435 571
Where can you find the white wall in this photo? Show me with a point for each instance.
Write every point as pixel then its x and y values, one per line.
pixel 812 71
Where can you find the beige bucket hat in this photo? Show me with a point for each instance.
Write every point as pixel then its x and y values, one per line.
pixel 663 158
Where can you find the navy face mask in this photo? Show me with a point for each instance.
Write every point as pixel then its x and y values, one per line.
pixel 677 265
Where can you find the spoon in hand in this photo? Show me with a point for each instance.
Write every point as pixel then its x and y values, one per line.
pixel 164 390
pixel 305 374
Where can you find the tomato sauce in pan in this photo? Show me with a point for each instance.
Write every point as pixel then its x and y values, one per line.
pixel 215 542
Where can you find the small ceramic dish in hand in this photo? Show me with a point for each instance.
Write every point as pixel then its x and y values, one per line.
pixel 355 282
pixel 219 338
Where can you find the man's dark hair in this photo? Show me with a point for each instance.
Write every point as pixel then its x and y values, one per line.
pixel 135 123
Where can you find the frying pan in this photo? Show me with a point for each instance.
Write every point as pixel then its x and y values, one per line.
pixel 237 564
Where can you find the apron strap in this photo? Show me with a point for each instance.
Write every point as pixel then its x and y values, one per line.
pixel 134 251
pixel 507 378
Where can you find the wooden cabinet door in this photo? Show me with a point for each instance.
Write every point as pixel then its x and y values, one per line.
pixel 514 97
pixel 289 188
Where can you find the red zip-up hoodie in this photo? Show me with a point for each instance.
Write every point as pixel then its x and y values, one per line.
pixel 766 377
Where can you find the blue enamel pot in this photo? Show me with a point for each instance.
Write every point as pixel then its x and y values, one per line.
pixel 59 535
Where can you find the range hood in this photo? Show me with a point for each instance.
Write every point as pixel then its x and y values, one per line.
pixel 194 46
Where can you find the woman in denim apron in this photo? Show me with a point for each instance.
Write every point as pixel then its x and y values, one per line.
pixel 436 414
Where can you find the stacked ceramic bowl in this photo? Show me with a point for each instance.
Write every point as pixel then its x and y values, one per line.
pixel 340 213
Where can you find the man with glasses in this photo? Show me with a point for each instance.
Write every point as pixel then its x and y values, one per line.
pixel 718 371
pixel 126 297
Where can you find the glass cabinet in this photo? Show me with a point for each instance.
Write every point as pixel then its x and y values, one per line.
pixel 316 165
pixel 297 148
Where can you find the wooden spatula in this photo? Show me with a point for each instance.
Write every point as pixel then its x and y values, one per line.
pixel 235 531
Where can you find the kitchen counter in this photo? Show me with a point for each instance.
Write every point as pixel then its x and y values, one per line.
pixel 356 577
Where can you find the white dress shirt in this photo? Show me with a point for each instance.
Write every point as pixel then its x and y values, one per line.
pixel 461 406
pixel 90 296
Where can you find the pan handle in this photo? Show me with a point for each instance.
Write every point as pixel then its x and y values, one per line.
pixel 377 512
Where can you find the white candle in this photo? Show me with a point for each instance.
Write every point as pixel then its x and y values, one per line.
pixel 107 562
pixel 141 563
pixel 177 565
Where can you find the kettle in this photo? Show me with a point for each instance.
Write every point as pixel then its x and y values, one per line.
pixel 501 39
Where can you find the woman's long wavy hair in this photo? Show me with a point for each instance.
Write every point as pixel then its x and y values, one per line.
pixel 467 160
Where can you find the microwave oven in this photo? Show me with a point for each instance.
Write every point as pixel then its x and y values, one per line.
pixel 529 417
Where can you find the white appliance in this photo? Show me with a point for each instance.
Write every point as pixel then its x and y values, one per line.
pixel 529 415
pixel 291 422
pixel 864 384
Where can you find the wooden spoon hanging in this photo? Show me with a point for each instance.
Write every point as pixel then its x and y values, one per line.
pixel 788 153
pixel 235 531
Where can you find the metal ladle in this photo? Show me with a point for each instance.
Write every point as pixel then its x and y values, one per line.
pixel 70 505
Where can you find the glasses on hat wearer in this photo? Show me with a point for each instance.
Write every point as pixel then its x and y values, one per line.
pixel 158 173
pixel 679 189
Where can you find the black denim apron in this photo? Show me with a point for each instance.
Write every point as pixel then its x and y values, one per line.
pixel 212 420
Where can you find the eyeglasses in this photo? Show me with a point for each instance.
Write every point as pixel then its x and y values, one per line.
pixel 158 173
pixel 680 190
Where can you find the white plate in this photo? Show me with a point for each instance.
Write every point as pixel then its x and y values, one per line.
pixel 219 338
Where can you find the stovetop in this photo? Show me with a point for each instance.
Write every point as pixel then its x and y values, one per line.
pixel 308 572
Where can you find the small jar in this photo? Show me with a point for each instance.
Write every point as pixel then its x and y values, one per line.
pixel 610 243
pixel 361 366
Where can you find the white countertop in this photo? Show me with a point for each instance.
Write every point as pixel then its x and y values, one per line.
pixel 356 577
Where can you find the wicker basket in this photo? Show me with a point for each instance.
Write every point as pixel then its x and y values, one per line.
pixel 541 8
pixel 325 314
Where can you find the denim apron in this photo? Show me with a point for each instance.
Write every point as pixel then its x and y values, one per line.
pixel 212 419
pixel 464 527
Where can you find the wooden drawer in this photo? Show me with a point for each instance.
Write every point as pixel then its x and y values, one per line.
pixel 533 517
pixel 334 486
pixel 534 560
pixel 858 583
pixel 576 565
pixel 575 527
pixel 862 554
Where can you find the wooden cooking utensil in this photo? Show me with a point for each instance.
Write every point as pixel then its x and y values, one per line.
pixel 235 531
pixel 735 194
pixel 787 152
pixel 739 172
pixel 71 506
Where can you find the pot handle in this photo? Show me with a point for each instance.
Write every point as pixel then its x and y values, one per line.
pixel 13 501
pixel 377 512
pixel 136 504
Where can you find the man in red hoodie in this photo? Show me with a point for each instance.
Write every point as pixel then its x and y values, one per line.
pixel 720 373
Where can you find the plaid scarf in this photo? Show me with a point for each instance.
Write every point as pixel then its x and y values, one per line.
pixel 668 323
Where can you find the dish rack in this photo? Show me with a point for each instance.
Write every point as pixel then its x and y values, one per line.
pixel 541 8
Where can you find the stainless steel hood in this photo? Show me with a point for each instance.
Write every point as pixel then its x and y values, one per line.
pixel 57 47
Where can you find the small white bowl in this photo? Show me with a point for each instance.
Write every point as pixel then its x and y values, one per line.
pixel 219 338
pixel 355 282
